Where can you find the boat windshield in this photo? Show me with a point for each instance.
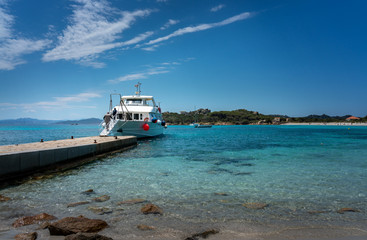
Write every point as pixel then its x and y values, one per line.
pixel 138 102
pixel 133 101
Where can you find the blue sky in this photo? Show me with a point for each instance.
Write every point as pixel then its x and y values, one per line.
pixel 60 59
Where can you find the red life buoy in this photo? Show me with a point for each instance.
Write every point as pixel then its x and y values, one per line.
pixel 146 119
pixel 146 127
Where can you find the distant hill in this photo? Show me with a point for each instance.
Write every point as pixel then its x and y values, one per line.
pixel 25 121
pixel 83 121
pixel 32 121
pixel 244 117
pixel 324 116
pixel 235 117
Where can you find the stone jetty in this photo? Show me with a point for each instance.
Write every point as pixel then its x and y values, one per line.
pixel 23 159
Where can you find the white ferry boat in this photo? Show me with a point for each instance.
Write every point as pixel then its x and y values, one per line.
pixel 136 115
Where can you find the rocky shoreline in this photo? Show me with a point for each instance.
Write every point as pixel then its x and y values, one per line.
pixel 79 227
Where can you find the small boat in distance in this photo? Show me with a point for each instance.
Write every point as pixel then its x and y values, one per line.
pixel 135 115
pixel 196 125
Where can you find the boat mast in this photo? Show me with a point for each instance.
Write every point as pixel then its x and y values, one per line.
pixel 137 93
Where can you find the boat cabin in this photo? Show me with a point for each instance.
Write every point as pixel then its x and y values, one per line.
pixel 138 108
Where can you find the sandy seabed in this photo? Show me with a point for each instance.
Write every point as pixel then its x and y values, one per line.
pixel 123 222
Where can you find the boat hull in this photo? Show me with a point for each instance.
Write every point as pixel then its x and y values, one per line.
pixel 135 128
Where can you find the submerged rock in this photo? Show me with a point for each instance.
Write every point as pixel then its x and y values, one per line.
pixel 23 221
pixel 77 204
pixel 4 198
pixel 102 198
pixel 89 192
pixel 204 234
pixel 87 236
pixel 145 227
pixel 343 210
pixel 132 201
pixel 73 225
pixel 221 194
pixel 100 210
pixel 255 205
pixel 242 173
pixel 151 209
pixel 246 164
pixel 26 236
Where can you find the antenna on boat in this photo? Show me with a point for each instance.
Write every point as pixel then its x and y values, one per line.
pixel 138 89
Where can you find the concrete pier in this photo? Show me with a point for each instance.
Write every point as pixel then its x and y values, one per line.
pixel 23 159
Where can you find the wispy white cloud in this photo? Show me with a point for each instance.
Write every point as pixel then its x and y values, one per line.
pixel 138 38
pixel 150 48
pixel 91 32
pixel 129 77
pixel 142 75
pixel 12 48
pixel 217 8
pixel 169 23
pixel 160 68
pixel 81 97
pixel 6 22
pixel 202 27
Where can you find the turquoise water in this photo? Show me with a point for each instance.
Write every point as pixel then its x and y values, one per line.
pixel 34 133
pixel 294 169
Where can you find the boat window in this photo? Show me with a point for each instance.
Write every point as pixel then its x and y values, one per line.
pixel 133 101
pixel 136 116
pixel 148 103
pixel 141 116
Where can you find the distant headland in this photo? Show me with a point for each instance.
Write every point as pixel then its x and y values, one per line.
pixel 246 117
pixel 33 121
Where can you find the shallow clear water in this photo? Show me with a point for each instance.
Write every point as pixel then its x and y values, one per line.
pixel 34 133
pixel 294 169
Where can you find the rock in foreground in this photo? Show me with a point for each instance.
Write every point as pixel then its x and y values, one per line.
pixel 343 210
pixel 89 192
pixel 151 209
pixel 73 225
pixel 204 234
pixel 255 205
pixel 87 236
pixel 77 203
pixel 100 210
pixel 4 198
pixel 132 201
pixel 26 236
pixel 102 198
pixel 23 221
pixel 145 227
